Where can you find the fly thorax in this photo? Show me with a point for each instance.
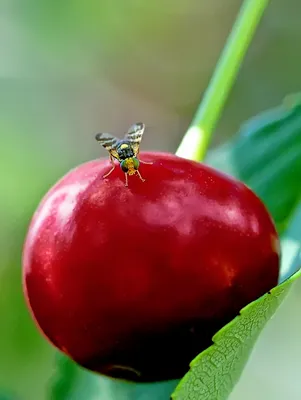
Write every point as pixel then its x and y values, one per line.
pixel 124 150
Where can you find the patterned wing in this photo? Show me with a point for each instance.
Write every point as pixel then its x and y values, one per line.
pixel 109 142
pixel 134 136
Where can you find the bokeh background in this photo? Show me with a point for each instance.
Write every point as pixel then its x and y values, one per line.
pixel 69 69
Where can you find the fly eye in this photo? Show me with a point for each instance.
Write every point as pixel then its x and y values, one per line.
pixel 136 162
pixel 123 166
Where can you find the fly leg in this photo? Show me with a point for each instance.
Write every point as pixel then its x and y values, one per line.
pixel 143 180
pixel 146 162
pixel 112 169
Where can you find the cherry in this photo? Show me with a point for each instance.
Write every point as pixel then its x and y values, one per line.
pixel 133 282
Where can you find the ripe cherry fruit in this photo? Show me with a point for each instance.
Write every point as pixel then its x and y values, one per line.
pixel 134 281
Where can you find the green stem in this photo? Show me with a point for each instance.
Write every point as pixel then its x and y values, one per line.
pixel 196 140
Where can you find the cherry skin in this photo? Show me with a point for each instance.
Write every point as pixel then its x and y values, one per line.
pixel 133 282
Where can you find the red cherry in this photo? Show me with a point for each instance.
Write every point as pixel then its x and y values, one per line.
pixel 133 281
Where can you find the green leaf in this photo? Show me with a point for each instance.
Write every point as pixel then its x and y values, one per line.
pixel 72 382
pixel 266 155
pixel 291 246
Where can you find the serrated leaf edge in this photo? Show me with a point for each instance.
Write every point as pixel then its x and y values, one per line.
pixel 280 289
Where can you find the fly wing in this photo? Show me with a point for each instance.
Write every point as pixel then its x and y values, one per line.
pixel 109 142
pixel 134 136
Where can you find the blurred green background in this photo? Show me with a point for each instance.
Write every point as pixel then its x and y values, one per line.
pixel 69 69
